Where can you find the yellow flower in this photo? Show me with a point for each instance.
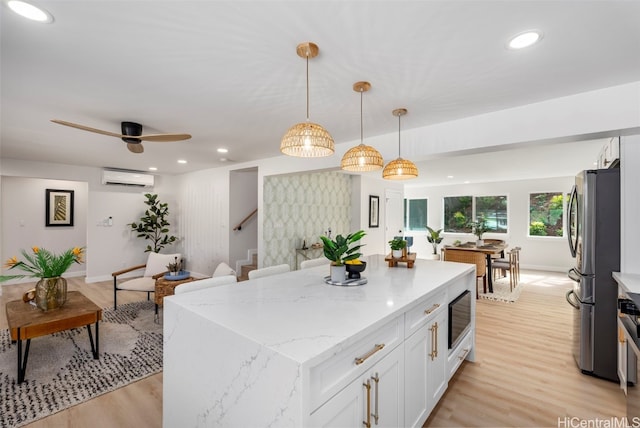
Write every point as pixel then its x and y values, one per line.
pixel 77 251
pixel 35 250
pixel 11 262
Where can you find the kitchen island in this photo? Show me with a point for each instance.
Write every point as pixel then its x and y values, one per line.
pixel 291 350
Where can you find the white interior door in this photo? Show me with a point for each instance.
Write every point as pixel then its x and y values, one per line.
pixel 394 215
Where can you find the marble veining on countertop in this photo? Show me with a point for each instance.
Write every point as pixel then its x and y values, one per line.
pixel 299 316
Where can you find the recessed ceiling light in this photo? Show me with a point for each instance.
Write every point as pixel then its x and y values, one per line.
pixel 30 11
pixel 153 168
pixel 467 182
pixel 525 39
pixel 222 159
pixel 449 176
pixel 221 150
pixel 182 161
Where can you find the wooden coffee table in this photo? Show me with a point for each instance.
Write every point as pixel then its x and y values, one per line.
pixel 26 321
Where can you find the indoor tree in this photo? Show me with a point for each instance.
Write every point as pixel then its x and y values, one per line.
pixel 153 225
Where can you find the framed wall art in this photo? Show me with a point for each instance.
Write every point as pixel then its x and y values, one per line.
pixel 59 205
pixel 374 211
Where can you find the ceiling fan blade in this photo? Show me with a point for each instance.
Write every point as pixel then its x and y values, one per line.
pixel 163 138
pixel 135 147
pixel 86 128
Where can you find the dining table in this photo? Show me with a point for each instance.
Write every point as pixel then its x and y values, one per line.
pixel 488 249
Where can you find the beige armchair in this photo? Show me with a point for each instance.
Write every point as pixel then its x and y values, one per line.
pixel 471 257
pixel 155 268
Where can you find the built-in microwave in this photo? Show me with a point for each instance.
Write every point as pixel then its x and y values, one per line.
pixel 459 318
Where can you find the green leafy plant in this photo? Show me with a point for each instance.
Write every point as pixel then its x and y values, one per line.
pixel 538 228
pixel 154 225
pixel 479 227
pixel 342 249
pixel 434 238
pixel 397 244
pixel 42 263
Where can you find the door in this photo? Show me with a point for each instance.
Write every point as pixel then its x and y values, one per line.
pixel 394 215
pixel 417 348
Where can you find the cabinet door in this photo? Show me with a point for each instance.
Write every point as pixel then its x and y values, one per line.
pixel 416 353
pixel 345 409
pixel 387 390
pixel 437 365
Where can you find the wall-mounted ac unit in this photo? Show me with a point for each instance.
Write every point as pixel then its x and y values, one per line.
pixel 127 178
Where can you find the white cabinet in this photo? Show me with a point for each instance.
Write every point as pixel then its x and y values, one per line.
pixel 376 398
pixel 609 155
pixel 623 352
pixel 426 360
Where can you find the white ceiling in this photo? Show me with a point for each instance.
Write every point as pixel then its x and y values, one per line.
pixel 227 71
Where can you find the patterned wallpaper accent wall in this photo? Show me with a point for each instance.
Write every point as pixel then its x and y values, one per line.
pixel 303 206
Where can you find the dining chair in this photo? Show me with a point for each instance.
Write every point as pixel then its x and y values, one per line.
pixel 268 271
pixel 508 264
pixel 320 261
pixel 201 284
pixel 471 257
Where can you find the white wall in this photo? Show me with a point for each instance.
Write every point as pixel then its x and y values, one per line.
pixel 108 248
pixel 23 214
pixel 547 253
pixel 630 204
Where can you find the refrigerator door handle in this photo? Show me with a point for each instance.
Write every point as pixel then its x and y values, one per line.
pixel 572 301
pixel 572 245
pixel 574 275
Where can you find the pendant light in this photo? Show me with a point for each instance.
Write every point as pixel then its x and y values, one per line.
pixel 361 157
pixel 307 139
pixel 399 169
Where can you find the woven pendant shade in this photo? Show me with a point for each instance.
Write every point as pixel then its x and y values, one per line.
pixel 307 139
pixel 400 169
pixel 362 158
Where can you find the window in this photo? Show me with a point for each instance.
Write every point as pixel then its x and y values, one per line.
pixel 415 214
pixel 494 210
pixel 546 216
pixel 459 211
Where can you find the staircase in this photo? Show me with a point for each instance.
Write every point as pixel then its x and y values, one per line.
pixel 245 269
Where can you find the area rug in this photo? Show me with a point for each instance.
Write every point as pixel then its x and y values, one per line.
pixel 501 291
pixel 61 371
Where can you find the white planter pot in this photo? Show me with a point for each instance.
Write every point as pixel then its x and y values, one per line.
pixel 338 273
pixel 434 257
pixel 479 242
pixel 396 254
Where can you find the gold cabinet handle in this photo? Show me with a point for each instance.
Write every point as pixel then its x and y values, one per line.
pixel 376 379
pixel 367 385
pixel 432 308
pixel 434 341
pixel 376 348
pixel 465 351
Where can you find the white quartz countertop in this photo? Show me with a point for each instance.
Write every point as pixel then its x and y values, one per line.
pixel 630 282
pixel 301 317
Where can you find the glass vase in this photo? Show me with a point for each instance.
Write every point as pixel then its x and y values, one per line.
pixel 51 293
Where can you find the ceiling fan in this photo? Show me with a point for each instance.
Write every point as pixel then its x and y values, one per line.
pixel 131 134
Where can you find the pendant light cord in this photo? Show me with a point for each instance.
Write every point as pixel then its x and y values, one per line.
pixel 399 136
pixel 361 127
pixel 307 86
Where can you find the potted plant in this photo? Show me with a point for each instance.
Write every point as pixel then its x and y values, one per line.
pixel 479 227
pixel 174 268
pixel 434 239
pixel 154 225
pixel 341 250
pixel 397 245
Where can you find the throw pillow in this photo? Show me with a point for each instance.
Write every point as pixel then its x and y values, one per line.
pixel 223 269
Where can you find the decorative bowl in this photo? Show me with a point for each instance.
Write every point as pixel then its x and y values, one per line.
pixel 355 270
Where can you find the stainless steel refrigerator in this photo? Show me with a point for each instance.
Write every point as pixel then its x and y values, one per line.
pixel 593 226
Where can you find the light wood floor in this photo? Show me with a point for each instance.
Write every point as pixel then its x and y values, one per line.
pixel 524 374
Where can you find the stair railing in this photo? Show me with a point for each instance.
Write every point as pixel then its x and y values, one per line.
pixel 239 226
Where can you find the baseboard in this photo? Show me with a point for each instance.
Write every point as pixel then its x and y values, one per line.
pixel 545 268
